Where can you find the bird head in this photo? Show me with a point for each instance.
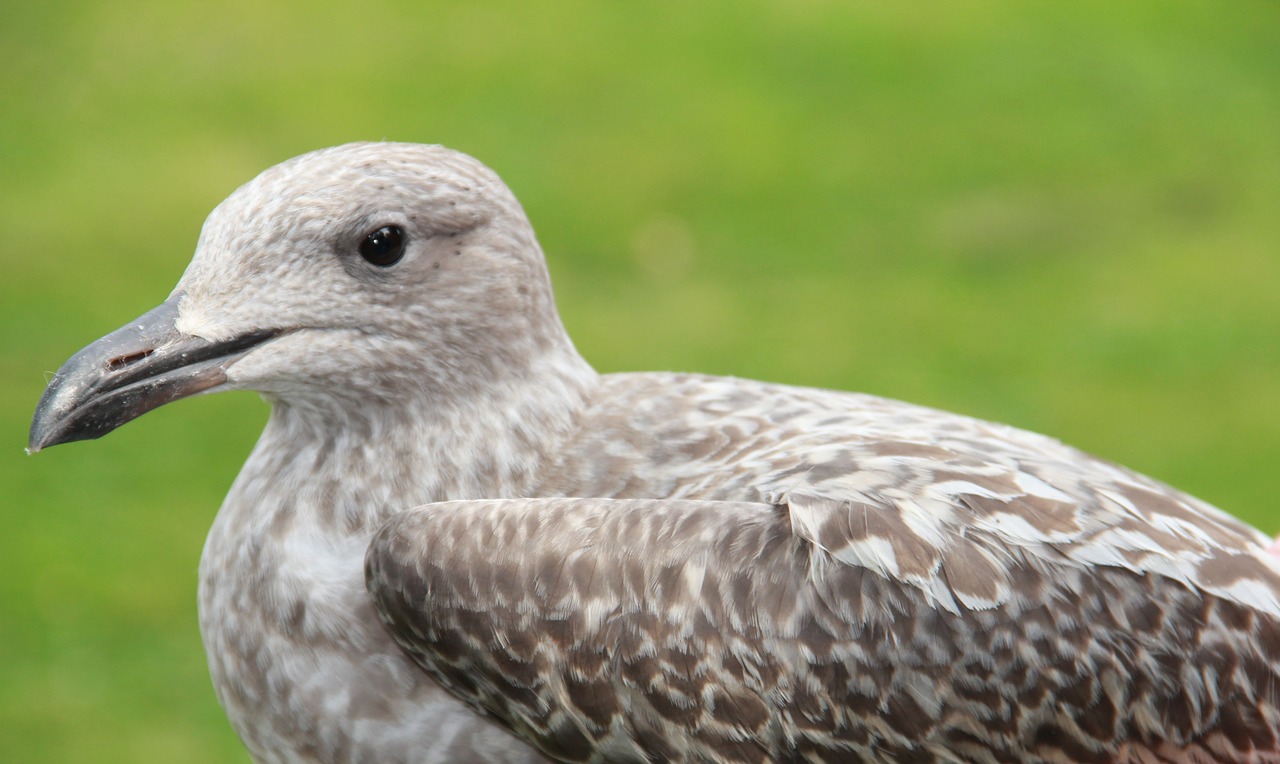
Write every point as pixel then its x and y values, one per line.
pixel 369 271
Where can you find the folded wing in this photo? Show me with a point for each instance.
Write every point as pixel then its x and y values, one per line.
pixel 680 630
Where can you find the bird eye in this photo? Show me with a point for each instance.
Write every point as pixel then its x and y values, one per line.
pixel 383 247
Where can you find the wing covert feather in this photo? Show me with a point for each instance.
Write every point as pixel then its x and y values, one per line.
pixel 681 630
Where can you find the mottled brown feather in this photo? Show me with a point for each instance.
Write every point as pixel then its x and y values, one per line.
pixel 1067 675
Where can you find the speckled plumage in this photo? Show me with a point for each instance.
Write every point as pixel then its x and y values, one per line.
pixel 648 567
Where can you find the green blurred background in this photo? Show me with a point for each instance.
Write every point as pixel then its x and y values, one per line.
pixel 1061 215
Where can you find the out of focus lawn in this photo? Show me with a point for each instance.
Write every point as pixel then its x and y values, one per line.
pixel 1061 215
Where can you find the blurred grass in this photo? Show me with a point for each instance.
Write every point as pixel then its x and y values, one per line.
pixel 1060 215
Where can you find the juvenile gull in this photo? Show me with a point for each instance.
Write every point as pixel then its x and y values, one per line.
pixel 643 567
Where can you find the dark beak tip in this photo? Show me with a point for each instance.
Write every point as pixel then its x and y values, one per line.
pixel 45 430
pixel 44 420
pixel 41 438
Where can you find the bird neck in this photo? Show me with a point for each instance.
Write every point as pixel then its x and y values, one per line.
pixel 351 466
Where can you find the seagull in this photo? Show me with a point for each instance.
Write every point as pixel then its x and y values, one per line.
pixel 456 542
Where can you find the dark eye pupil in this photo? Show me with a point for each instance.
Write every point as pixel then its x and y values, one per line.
pixel 384 246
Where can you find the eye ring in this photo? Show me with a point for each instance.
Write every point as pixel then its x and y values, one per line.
pixel 383 246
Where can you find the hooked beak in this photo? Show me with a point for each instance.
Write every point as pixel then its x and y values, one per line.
pixel 138 367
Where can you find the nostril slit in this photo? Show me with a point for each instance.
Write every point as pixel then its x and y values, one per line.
pixel 121 361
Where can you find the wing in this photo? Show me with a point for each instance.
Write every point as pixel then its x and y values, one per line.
pixel 680 630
